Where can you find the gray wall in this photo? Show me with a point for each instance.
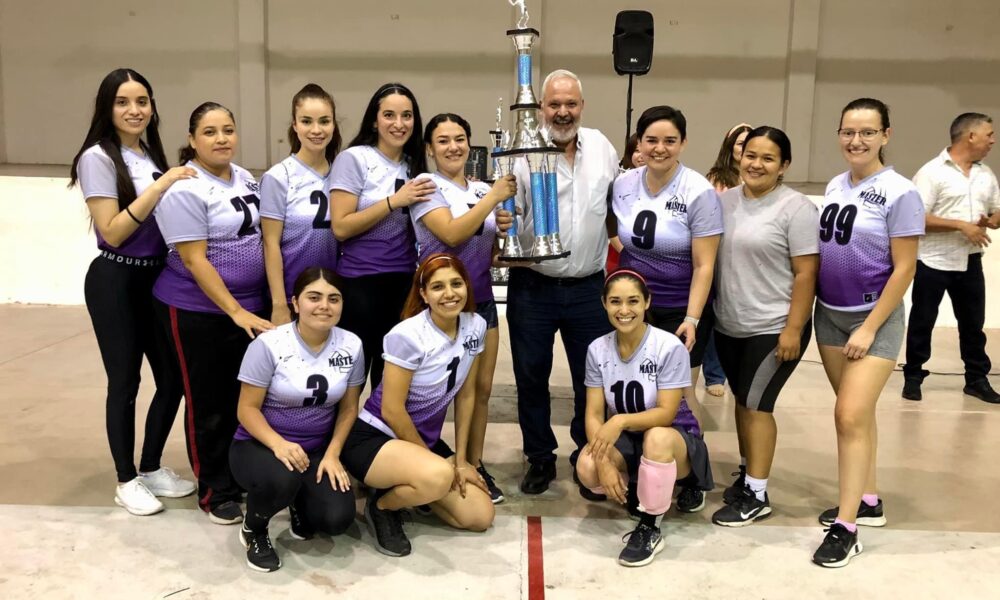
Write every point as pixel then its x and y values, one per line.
pixel 790 63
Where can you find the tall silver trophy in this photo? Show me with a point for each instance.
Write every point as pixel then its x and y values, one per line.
pixel 528 143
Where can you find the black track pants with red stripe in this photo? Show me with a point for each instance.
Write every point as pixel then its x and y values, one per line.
pixel 209 348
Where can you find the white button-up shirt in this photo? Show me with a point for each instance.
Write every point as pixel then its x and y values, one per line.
pixel 583 206
pixel 949 194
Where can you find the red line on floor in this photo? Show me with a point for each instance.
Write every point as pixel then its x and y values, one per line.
pixel 536 572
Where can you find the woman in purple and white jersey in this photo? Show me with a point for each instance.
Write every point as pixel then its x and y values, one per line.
pixel 869 227
pixel 122 177
pixel 371 192
pixel 459 218
pixel 432 359
pixel 299 399
pixel 211 295
pixel 669 221
pixel 650 439
pixel 294 199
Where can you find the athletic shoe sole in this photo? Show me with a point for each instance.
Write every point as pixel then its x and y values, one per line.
pixel 763 514
pixel 499 499
pixel 170 494
pixel 371 530
pixel 250 564
pixel 137 512
pixel 856 550
pixel 865 521
pixel 693 509
pixel 660 544
pixel 221 521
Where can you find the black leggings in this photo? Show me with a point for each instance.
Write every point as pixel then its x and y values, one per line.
pixel 209 349
pixel 372 305
pixel 120 302
pixel 755 375
pixel 271 487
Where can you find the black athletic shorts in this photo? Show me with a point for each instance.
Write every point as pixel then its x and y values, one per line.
pixel 755 375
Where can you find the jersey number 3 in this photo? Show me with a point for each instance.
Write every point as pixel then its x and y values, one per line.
pixel 629 399
pixel 319 386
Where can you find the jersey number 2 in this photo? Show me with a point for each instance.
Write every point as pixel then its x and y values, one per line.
pixel 837 223
pixel 629 399
pixel 242 205
pixel 320 222
pixel 319 386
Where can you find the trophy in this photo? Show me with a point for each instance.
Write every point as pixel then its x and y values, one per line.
pixel 528 143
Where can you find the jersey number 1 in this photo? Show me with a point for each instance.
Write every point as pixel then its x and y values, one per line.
pixel 629 399
pixel 452 374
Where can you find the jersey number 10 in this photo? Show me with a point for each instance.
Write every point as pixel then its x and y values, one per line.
pixel 629 399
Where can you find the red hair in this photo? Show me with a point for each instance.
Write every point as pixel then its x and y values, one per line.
pixel 414 301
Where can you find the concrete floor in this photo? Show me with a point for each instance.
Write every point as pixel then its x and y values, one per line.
pixel 64 537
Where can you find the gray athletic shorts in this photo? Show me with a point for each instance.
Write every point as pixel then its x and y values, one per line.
pixel 834 327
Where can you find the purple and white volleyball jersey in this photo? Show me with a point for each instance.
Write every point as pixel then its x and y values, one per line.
pixel 656 230
pixel 303 387
pixel 225 215
pixel 856 223
pixel 294 193
pixel 476 253
pixel 96 173
pixel 440 366
pixel 389 246
pixel 630 385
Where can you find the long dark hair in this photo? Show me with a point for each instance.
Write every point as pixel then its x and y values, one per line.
pixel 725 171
pixel 368 133
pixel 103 133
pixel 187 153
pixel 871 104
pixel 314 91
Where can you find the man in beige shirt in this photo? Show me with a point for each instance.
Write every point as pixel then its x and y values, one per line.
pixel 961 201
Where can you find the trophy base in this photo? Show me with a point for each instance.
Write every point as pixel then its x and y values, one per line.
pixel 534 259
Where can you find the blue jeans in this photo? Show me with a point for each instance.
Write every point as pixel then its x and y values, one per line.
pixel 537 307
pixel 710 365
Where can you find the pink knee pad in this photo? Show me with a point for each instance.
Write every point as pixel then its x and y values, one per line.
pixel 656 485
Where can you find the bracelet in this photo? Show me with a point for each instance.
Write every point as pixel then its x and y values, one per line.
pixel 692 320
pixel 387 203
pixel 133 216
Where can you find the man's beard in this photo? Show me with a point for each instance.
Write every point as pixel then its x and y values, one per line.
pixel 562 135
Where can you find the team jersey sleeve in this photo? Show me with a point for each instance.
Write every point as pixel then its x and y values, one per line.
pixel 906 215
pixel 401 350
pixel 479 325
pixel 593 378
pixel 436 201
pixel 357 375
pixel 96 173
pixel 258 364
pixel 926 188
pixel 803 230
pixel 182 217
pixel 348 173
pixel 273 197
pixel 675 369
pixel 705 214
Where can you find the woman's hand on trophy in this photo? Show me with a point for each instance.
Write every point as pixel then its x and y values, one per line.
pixel 503 188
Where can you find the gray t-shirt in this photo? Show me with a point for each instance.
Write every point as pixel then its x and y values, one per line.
pixel 753 271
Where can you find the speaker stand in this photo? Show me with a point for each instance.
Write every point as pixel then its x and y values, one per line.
pixel 628 110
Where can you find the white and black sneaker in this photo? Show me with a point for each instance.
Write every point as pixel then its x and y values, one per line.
pixel 732 492
pixel 690 500
pixel 260 553
pixel 869 516
pixel 744 510
pixel 386 526
pixel 642 544
pixel 298 527
pixel 227 513
pixel 496 494
pixel 838 547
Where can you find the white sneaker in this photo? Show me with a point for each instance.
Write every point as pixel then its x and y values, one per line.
pixel 164 482
pixel 137 499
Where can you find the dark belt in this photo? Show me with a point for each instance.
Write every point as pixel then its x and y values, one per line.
pixel 132 261
pixel 559 281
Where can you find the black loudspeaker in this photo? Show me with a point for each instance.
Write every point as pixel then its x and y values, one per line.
pixel 632 45
pixel 475 166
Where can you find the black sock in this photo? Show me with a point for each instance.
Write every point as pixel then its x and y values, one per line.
pixel 650 520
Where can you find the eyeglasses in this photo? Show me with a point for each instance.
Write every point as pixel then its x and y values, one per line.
pixel 866 134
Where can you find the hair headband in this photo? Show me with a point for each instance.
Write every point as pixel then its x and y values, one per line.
pixel 737 126
pixel 423 267
pixel 624 272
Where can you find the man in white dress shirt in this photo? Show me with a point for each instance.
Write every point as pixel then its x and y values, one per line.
pixel 561 295
pixel 961 200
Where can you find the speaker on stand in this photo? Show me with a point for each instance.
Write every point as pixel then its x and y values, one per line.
pixel 632 51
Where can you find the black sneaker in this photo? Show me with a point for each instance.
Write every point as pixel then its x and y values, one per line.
pixel 496 494
pixel 690 500
pixel 260 553
pixel 644 542
pixel 538 477
pixel 743 511
pixel 838 547
pixel 733 492
pixel 227 513
pixel 299 528
pixel 386 526
pixel 983 391
pixel 869 516
pixel 911 390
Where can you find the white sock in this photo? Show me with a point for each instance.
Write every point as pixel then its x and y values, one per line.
pixel 757 486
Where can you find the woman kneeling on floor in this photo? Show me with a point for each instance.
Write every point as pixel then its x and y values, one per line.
pixel 651 439
pixel 431 358
pixel 298 401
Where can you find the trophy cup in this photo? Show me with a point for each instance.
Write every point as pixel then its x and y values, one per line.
pixel 529 144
